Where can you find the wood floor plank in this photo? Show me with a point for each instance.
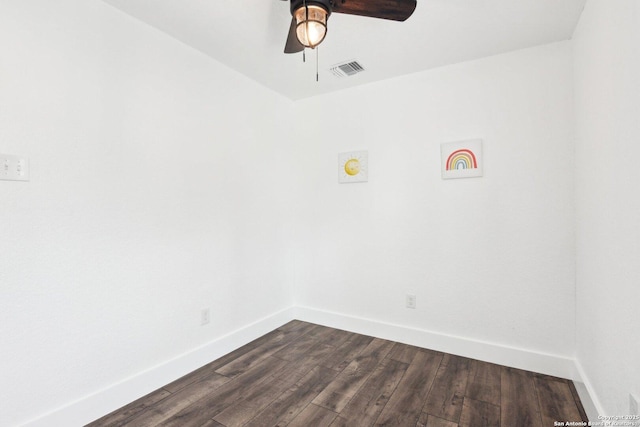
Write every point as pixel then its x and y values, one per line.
pixel 548 377
pixel 256 397
pixel 403 352
pixel 405 405
pixel 476 413
pixel 427 420
pixel 484 382
pixel 311 375
pixel 293 401
pixel 447 394
pixel 254 356
pixel 315 416
pixel 297 348
pixel 331 336
pixel 317 354
pixel 134 408
pixel 212 404
pixel 518 399
pixel 286 334
pixel 296 326
pixel 340 391
pixel 348 351
pixel 556 401
pixel 171 405
pixel 368 402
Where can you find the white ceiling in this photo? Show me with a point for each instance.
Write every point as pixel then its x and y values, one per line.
pixel 249 36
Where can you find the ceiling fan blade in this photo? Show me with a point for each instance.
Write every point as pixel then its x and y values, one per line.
pixel 293 45
pixel 395 10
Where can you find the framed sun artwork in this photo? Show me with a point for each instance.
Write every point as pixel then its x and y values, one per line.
pixel 353 167
pixel 462 159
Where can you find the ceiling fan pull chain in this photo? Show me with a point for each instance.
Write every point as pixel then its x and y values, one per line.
pixel 304 57
pixel 317 60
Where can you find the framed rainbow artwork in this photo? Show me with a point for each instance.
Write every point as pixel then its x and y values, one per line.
pixel 461 159
pixel 353 167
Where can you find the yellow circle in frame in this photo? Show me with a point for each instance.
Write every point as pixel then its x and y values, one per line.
pixel 352 167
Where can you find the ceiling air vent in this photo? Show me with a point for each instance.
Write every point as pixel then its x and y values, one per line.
pixel 347 69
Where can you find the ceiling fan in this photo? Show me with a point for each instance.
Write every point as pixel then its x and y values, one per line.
pixel 309 17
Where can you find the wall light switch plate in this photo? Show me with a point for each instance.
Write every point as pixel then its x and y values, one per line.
pixel 411 301
pixel 14 168
pixel 205 316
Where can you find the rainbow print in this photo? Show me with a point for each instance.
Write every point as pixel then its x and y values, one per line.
pixel 462 159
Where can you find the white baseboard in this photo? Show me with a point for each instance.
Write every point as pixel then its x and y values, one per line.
pixel 94 406
pixel 548 364
pixel 588 396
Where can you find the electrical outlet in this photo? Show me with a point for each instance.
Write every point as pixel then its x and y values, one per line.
pixel 14 168
pixel 204 317
pixel 411 301
pixel 633 405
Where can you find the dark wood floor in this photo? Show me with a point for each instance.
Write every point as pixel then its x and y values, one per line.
pixel 308 375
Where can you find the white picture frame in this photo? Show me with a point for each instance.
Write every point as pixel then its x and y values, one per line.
pixel 353 167
pixel 462 159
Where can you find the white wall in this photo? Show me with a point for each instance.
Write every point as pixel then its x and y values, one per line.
pixel 158 188
pixel 490 259
pixel 162 184
pixel 607 108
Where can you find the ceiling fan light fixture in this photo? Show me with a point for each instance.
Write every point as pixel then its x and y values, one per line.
pixel 311 24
